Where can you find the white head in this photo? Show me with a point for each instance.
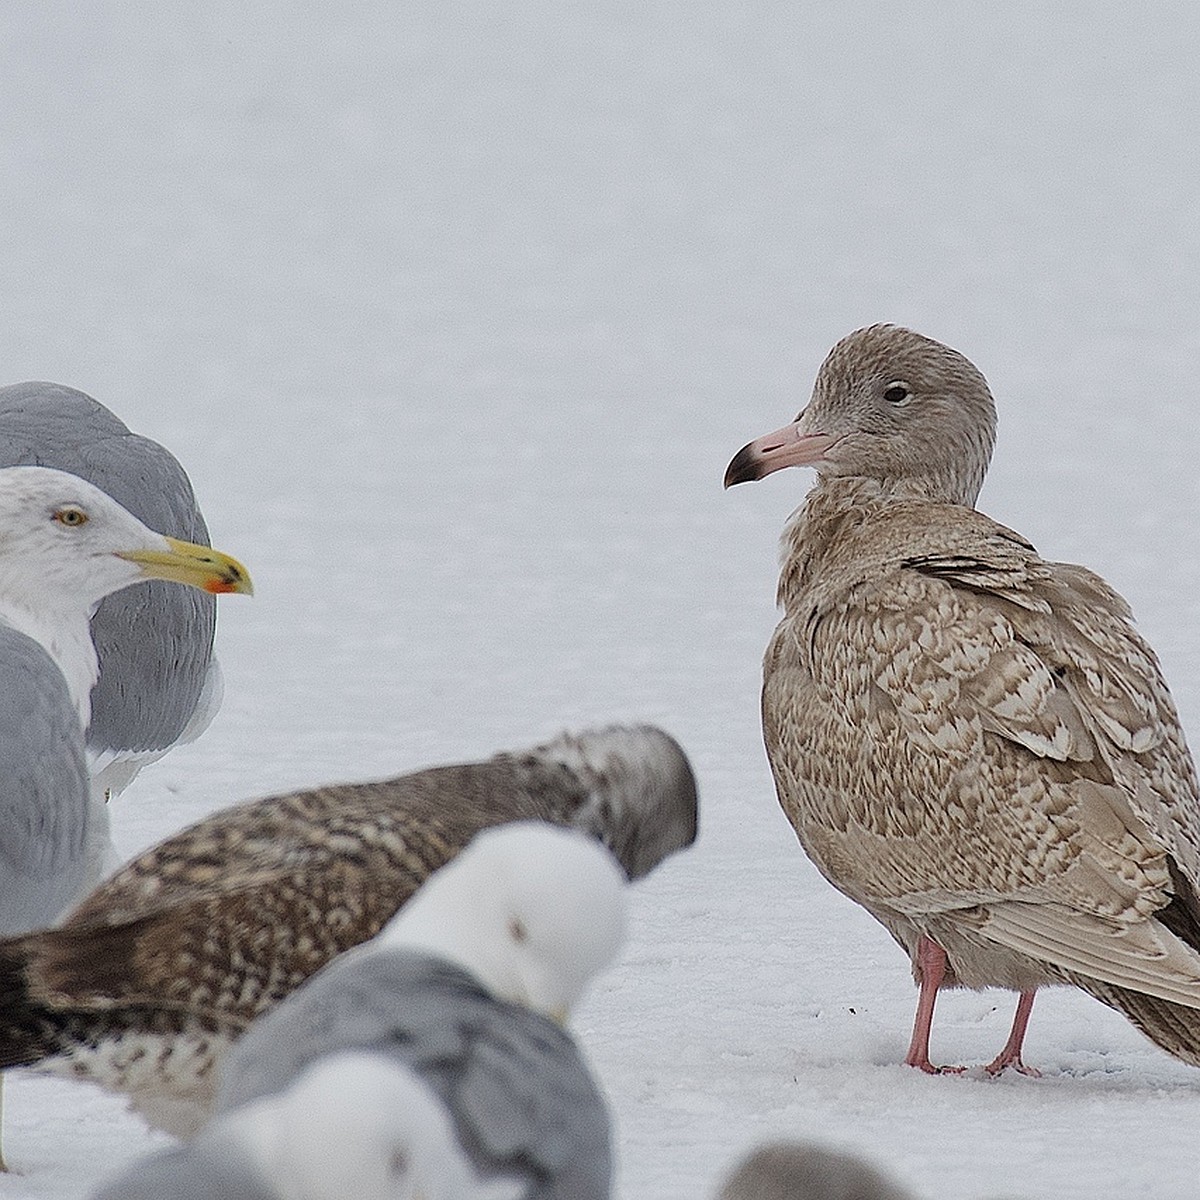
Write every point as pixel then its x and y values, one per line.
pixel 361 1126
pixel 531 910
pixel 65 545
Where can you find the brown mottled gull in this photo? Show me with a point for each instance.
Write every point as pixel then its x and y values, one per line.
pixel 147 984
pixel 971 741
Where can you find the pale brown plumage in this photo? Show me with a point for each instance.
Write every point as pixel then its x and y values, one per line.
pixel 971 741
pixel 148 982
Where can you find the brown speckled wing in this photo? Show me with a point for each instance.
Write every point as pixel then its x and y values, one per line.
pixel 1004 710
pixel 232 913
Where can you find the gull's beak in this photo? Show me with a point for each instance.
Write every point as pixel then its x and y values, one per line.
pixel 786 447
pixel 197 566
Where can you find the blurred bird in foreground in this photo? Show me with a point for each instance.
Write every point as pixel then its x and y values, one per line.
pixel 797 1171
pixel 454 993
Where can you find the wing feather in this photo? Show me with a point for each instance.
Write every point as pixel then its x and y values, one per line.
pixel 1143 956
pixel 998 700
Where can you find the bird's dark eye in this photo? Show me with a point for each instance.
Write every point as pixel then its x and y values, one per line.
pixel 517 930
pixel 70 515
pixel 897 393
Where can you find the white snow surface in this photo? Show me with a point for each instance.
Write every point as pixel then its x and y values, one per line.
pixel 455 310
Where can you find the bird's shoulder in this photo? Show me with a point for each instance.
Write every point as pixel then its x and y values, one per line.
pixel 49 425
pixel 409 1003
pixel 833 546
pixel 956 608
pixel 35 415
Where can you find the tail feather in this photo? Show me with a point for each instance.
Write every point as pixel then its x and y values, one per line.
pixel 1173 1027
pixel 30 1030
pixel 63 987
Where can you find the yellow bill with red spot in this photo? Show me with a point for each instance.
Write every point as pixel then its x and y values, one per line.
pixel 194 565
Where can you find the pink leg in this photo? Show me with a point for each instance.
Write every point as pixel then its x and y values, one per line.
pixel 1010 1056
pixel 931 958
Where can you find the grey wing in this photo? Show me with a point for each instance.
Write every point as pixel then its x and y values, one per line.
pixel 154 640
pixel 44 789
pixel 523 1102
pixel 532 1108
pixel 208 1169
pixel 361 1000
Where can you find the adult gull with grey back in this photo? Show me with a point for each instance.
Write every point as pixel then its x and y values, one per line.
pixel 64 545
pixel 159 683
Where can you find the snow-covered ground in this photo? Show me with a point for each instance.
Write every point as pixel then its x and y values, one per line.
pixel 455 312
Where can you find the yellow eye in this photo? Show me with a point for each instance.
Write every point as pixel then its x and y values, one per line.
pixel 70 515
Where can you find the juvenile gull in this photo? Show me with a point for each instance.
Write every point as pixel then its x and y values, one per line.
pixel 971 741
pixel 159 683
pixel 798 1171
pixel 457 989
pixel 146 985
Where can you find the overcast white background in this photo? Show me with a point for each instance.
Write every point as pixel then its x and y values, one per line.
pixel 455 312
